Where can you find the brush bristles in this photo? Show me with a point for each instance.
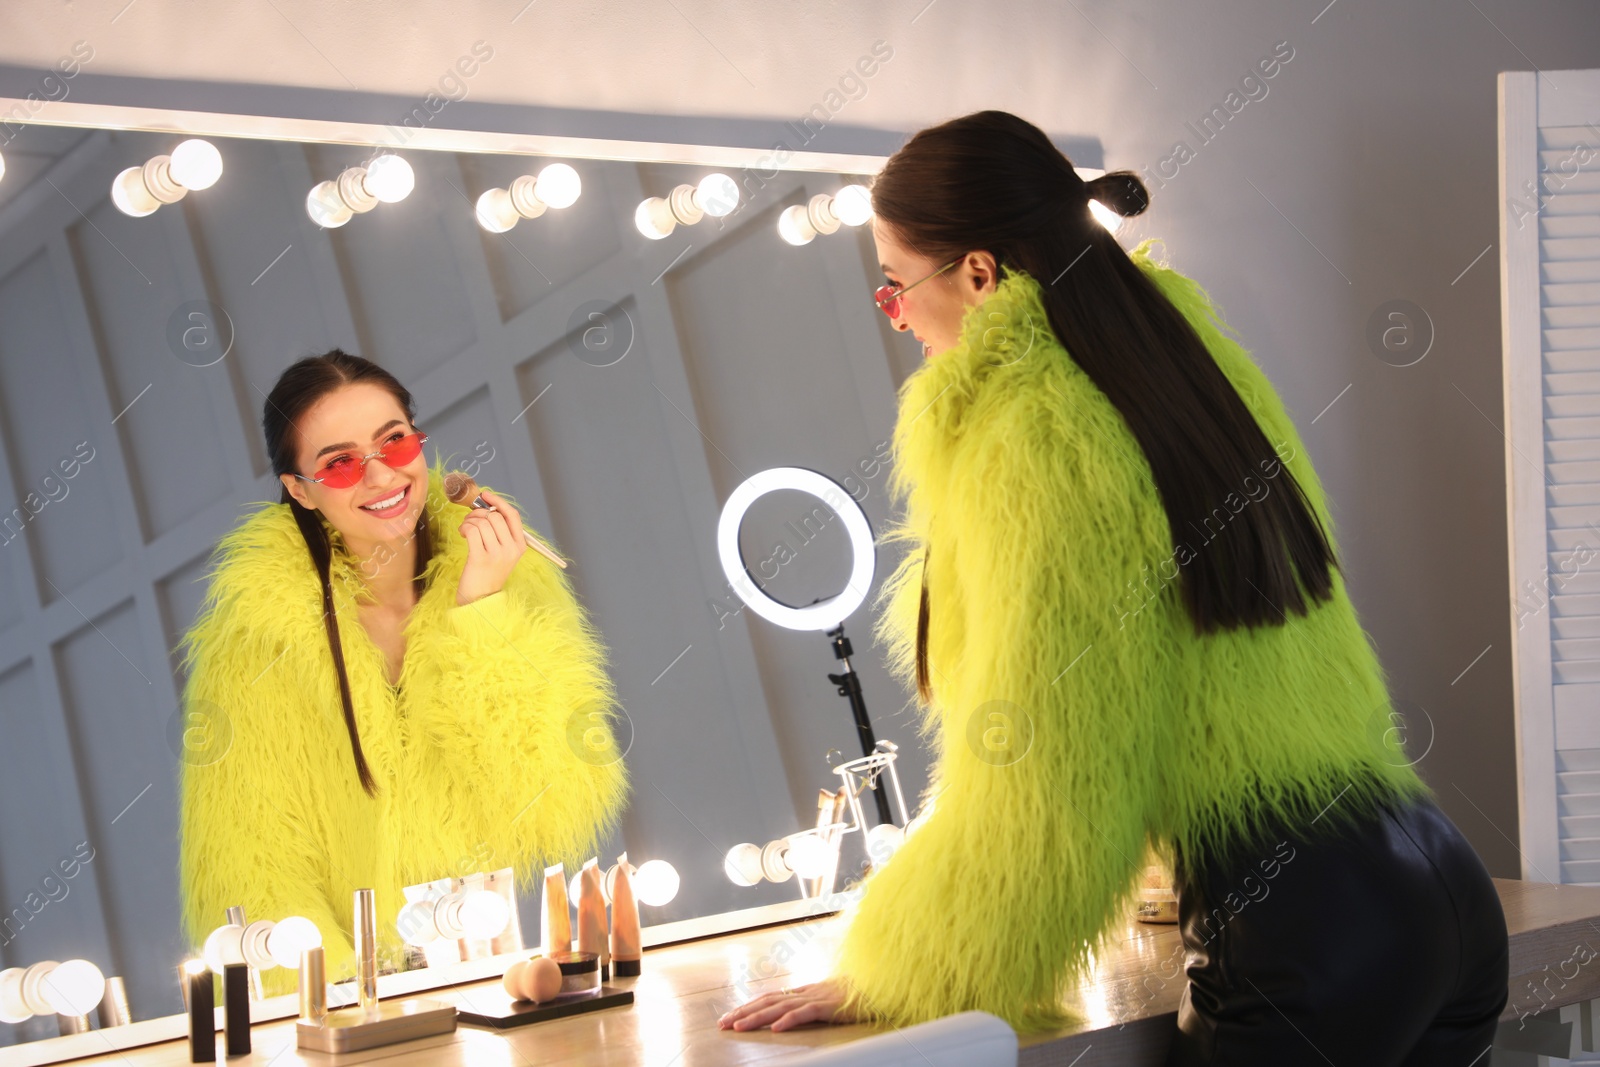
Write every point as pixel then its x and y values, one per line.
pixel 459 488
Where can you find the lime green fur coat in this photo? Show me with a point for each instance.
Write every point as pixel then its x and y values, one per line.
pixel 497 749
pixel 1077 718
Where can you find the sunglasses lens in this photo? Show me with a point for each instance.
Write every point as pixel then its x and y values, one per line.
pixel 888 299
pixel 342 473
pixel 404 450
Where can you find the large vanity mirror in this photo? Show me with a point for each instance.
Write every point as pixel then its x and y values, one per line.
pixel 620 387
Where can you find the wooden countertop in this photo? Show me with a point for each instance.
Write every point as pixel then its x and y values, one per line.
pixel 1129 1006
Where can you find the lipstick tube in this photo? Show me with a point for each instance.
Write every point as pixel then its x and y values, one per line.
pixel 313 986
pixel 200 1001
pixel 366 946
pixel 236 1007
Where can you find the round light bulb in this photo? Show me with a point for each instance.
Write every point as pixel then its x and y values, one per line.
pixel 196 164
pixel 575 885
pixel 128 192
pixel 390 178
pixel 12 1008
pixel 794 226
pixel 484 914
pixel 717 195
pixel 853 204
pixel 743 864
pixel 290 938
pixel 654 218
pixel 75 988
pixel 883 841
pixel 326 208
pixel 809 855
pixel 495 211
pixel 656 883
pixel 416 924
pixel 1105 216
pixel 224 946
pixel 558 185
pixel 2 166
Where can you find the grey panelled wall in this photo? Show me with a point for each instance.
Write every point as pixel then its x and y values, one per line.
pixel 745 353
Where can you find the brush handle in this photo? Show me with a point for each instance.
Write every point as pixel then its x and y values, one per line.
pixel 527 535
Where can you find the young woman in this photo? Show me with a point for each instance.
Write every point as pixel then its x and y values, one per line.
pixel 1126 624
pixel 384 687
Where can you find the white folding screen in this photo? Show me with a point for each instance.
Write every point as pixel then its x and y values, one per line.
pixel 1550 329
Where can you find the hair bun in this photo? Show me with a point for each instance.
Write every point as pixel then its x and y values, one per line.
pixel 1122 191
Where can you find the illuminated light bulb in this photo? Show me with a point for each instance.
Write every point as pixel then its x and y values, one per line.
pixel 2 166
pixel 74 988
pixel 128 192
pixel 1105 216
pixel 717 195
pixel 225 945
pixel 558 185
pixel 743 864
pixel 654 218
pixel 495 211
pixel 416 924
pixel 484 914
pixel 809 855
pixel 884 840
pixel 326 208
pixel 33 980
pixel 853 204
pixel 390 178
pixel 12 1008
pixel 575 885
pixel 291 937
pixel 196 164
pixel 656 883
pixel 795 227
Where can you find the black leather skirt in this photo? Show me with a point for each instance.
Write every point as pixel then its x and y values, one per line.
pixel 1383 945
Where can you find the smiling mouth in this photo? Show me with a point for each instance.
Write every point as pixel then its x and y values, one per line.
pixel 389 505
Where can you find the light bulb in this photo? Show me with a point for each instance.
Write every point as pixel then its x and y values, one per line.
pixel 558 185
pixel 326 208
pixel 390 178
pixel 484 914
pixel 654 218
pixel 290 938
pixel 883 841
pixel 496 213
pixel 416 924
pixel 717 195
pixel 853 204
pixel 1105 216
pixel 33 980
pixel 12 1008
pixel 809 855
pixel 743 864
pixel 128 192
pixel 794 226
pixel 575 885
pixel 224 946
pixel 196 164
pixel 656 883
pixel 75 988
pixel 2 166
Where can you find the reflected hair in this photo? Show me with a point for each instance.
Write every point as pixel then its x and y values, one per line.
pixel 301 385
pixel 995 182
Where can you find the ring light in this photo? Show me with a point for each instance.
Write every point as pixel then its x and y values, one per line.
pixel 820 616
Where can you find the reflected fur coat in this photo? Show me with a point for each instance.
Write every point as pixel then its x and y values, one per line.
pixel 497 748
pixel 1076 717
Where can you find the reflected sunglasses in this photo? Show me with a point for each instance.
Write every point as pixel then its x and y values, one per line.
pixel 343 471
pixel 888 296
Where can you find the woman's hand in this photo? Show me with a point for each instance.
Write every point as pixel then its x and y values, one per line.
pixel 818 1002
pixel 494 544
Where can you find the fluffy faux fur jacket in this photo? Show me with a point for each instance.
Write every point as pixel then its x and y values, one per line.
pixel 1076 717
pixel 495 750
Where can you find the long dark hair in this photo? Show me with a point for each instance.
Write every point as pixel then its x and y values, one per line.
pixel 995 182
pixel 304 383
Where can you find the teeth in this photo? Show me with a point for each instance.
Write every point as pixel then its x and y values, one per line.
pixel 388 503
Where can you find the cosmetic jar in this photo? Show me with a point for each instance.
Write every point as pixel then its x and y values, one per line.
pixel 580 972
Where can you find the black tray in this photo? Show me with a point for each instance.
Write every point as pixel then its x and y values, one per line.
pixel 496 1010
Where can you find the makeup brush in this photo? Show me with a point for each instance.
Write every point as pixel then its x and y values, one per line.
pixel 461 489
